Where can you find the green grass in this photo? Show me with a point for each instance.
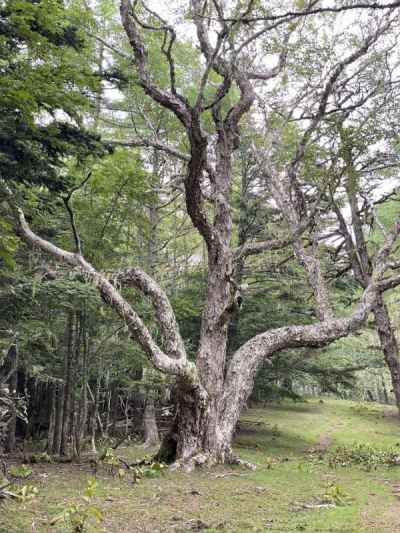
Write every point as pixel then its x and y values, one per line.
pixel 281 495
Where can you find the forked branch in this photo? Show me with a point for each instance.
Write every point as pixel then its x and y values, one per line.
pixel 170 363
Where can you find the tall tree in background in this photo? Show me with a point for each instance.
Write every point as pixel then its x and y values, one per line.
pixel 357 236
pixel 45 82
pixel 211 391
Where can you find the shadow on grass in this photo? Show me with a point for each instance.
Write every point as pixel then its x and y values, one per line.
pixel 271 441
pixel 293 407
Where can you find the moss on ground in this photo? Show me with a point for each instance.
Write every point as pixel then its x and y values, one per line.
pixel 293 489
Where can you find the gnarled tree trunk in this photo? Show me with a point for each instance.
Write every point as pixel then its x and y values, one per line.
pixel 200 434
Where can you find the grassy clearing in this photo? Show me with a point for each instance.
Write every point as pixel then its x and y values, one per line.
pixel 288 492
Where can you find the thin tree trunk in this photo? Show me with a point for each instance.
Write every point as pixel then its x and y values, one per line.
pixel 10 446
pixel 95 414
pixel 74 436
pixel 51 390
pixel 114 407
pixel 99 95
pixel 67 386
pixel 58 418
pixel 385 392
pixel 82 419
pixel 107 393
pixel 126 412
pixel 76 373
pixel 151 436
pixel 389 345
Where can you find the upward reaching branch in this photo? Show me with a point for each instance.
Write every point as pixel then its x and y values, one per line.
pixel 172 101
pixel 68 206
pixel 164 312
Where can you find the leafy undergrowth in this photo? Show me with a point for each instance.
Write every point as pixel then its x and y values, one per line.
pixel 327 466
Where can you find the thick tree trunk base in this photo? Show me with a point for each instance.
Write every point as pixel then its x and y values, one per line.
pixel 197 438
pixel 200 459
pixel 188 451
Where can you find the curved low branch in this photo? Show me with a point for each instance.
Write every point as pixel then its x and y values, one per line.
pixel 164 312
pixel 177 364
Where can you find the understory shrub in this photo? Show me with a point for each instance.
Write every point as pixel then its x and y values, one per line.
pixel 364 455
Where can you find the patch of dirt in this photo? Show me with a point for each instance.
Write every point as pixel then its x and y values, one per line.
pixel 389 520
pixel 322 445
pixel 391 411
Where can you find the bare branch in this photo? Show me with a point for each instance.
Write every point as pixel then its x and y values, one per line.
pixel 254 248
pixel 175 103
pixel 167 45
pixel 315 11
pixel 66 200
pixel 328 89
pixel 109 46
pixel 149 143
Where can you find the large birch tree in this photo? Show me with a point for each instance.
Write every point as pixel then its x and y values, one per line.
pixel 239 44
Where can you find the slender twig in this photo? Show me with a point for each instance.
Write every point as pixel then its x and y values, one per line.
pixel 66 200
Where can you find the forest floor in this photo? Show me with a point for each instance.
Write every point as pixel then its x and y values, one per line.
pixel 295 487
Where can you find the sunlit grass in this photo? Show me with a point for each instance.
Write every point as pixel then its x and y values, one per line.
pixel 278 496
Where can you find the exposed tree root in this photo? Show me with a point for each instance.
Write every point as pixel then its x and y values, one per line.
pixel 203 459
pixel 234 460
pixel 190 463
